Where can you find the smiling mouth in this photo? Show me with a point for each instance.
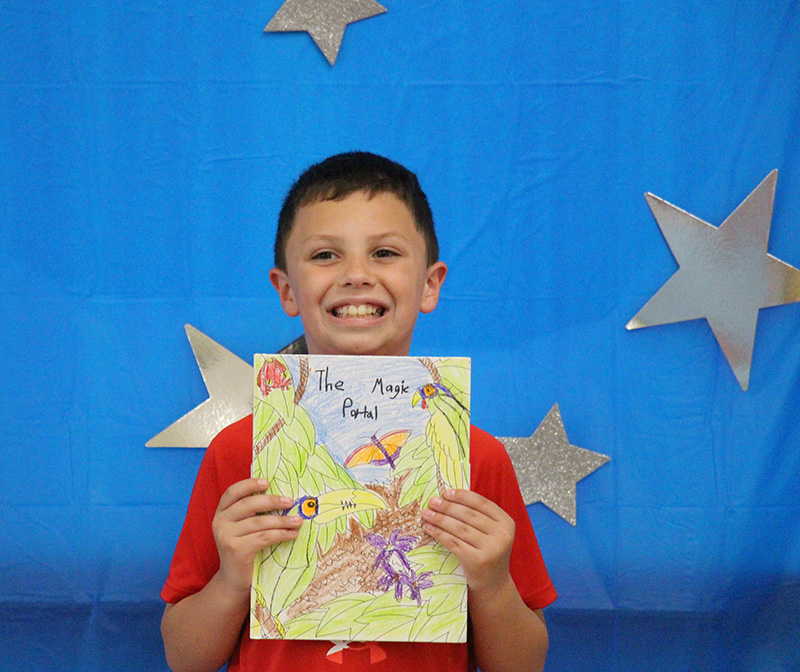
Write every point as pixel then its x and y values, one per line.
pixel 360 310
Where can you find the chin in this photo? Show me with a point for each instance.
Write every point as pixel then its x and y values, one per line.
pixel 368 349
pixel 359 343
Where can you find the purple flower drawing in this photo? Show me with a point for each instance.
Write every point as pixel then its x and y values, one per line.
pixel 415 584
pixel 389 580
pixel 396 546
pixel 398 573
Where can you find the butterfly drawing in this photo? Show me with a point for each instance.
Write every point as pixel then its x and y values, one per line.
pixel 379 451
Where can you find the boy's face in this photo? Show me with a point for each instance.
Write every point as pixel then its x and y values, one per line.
pixel 357 275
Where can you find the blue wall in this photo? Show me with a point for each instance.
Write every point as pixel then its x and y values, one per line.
pixel 145 147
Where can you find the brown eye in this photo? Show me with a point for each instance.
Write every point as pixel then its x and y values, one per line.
pixel 429 390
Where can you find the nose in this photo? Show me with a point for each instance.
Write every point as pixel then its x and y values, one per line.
pixel 356 272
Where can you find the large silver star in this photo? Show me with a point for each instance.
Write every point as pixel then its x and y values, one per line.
pixel 725 274
pixel 229 381
pixel 549 467
pixel 324 20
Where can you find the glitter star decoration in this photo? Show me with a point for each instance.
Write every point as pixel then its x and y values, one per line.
pixel 549 467
pixel 324 20
pixel 725 274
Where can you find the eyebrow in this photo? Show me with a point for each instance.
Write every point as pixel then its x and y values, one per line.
pixel 322 238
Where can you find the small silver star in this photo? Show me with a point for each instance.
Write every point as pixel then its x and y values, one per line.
pixel 549 467
pixel 324 20
pixel 725 274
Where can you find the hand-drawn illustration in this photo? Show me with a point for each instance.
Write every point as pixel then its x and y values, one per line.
pixel 379 451
pixel 360 444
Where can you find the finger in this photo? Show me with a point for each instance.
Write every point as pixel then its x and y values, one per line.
pixel 259 524
pixel 442 527
pixel 472 500
pixel 260 539
pixel 470 512
pixel 464 549
pixel 245 548
pixel 258 504
pixel 477 552
pixel 485 526
pixel 246 498
pixel 241 489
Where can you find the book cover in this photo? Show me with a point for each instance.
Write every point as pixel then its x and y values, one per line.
pixel 360 444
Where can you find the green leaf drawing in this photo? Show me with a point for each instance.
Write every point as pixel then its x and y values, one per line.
pixel 432 558
pixel 456 377
pixel 303 626
pixel 414 455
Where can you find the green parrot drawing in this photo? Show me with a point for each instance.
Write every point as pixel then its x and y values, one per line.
pixel 447 433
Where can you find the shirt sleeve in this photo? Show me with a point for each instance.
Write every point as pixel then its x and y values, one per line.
pixel 493 476
pixel 196 560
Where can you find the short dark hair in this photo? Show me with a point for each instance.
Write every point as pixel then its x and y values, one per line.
pixel 338 176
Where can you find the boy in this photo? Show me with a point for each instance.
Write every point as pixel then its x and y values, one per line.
pixel 356 258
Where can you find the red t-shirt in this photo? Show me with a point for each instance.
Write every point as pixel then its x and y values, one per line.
pixel 196 560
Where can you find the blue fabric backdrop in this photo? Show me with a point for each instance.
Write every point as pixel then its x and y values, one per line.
pixel 145 147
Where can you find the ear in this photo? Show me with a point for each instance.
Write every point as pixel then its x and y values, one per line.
pixel 280 281
pixel 433 284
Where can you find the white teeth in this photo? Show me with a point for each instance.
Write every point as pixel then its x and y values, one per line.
pixel 361 310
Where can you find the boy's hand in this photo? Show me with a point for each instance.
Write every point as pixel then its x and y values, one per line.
pixel 477 531
pixel 240 531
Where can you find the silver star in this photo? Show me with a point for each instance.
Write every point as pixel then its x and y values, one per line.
pixel 725 274
pixel 229 381
pixel 324 20
pixel 549 467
